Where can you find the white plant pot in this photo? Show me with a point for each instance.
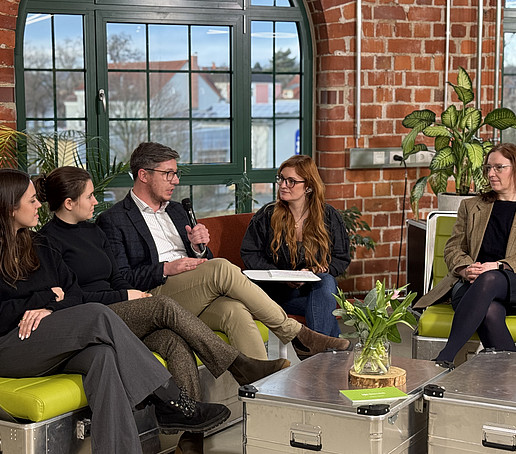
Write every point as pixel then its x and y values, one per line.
pixel 449 201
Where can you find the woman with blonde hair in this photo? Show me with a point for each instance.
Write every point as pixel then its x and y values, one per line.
pixel 300 232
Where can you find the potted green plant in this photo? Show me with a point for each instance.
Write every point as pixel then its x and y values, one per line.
pixel 459 150
pixel 44 152
pixel 375 321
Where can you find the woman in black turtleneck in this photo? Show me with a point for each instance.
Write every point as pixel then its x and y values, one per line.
pixel 163 325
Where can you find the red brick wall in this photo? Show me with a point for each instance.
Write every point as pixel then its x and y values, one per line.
pixel 403 47
pixel 8 12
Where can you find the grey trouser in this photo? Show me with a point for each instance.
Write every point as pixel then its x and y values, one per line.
pixel 118 370
pixel 226 300
pixel 167 328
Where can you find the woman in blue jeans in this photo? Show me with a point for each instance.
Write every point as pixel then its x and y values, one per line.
pixel 300 232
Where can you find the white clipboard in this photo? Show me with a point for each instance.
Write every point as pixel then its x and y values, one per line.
pixel 281 275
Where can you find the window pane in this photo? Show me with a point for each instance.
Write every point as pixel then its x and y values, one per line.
pixel 168 44
pixel 213 200
pixel 287 103
pixel 287 137
pixel 125 43
pixel 175 134
pixel 262 46
pixel 262 143
pixel 39 94
pixel 125 136
pixel 212 96
pixel 210 48
pixel 211 142
pixel 37 45
pixel 263 92
pixel 127 95
pixel 69 42
pixel 169 95
pixel 509 81
pixel 287 47
pixel 262 2
pixel 70 94
pixel 263 193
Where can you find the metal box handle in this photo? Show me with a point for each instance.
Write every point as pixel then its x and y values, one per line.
pixel 499 436
pixel 305 437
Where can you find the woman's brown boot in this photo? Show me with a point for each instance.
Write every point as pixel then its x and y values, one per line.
pixel 246 370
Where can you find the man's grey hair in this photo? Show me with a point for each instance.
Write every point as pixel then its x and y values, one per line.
pixel 148 155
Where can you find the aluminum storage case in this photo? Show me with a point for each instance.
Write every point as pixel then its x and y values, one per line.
pixel 300 410
pixel 473 408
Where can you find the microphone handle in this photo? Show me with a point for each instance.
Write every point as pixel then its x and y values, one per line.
pixel 193 223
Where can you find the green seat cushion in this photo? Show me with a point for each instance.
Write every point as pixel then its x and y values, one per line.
pixel 40 398
pixel 436 321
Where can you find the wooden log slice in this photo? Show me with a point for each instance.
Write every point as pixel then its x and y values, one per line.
pixel 395 377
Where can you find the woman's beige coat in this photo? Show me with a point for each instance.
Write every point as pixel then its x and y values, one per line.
pixel 464 245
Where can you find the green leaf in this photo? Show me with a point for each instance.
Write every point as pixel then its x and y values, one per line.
pixel 419 119
pixel 439 181
pixel 449 117
pixel 443 159
pixel 441 142
pixel 416 193
pixel 475 154
pixel 465 95
pixel 463 79
pixel 473 120
pixel 501 118
pixel 437 131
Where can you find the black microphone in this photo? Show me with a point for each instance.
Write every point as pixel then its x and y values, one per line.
pixel 398 158
pixel 187 206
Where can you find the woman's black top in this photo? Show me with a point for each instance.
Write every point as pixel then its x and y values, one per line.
pixel 87 252
pixel 496 236
pixel 35 291
pixel 256 246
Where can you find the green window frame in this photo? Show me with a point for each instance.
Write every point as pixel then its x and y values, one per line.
pixel 282 122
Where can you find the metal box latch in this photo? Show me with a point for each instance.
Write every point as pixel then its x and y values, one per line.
pixel 499 436
pixel 83 428
pixel 306 437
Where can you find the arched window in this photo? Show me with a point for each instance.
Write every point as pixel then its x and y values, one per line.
pixel 226 83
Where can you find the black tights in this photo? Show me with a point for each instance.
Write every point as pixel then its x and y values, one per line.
pixel 481 309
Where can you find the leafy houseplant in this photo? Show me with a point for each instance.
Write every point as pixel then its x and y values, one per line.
pixel 351 217
pixel 459 151
pixel 42 153
pixel 375 321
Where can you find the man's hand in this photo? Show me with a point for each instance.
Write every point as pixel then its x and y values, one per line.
pixel 135 294
pixel 30 321
pixel 197 235
pixel 181 265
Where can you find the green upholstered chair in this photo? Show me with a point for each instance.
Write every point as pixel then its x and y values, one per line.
pixel 40 398
pixel 434 325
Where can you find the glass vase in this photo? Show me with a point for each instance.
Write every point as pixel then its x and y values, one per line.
pixel 372 357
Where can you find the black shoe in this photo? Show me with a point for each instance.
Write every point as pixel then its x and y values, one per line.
pixel 187 414
pixel 445 364
pixel 246 370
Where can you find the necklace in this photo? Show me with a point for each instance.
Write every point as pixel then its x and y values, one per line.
pixel 296 223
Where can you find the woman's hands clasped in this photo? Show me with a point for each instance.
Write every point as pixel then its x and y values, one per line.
pixel 471 272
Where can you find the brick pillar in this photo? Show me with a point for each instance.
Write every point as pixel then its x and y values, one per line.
pixel 8 14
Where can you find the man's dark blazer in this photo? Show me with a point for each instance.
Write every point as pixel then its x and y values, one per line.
pixel 132 243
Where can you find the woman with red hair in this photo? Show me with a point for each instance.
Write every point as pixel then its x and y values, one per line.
pixel 299 231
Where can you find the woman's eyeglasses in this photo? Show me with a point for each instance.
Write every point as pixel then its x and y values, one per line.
pixel 169 174
pixel 290 182
pixel 498 168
